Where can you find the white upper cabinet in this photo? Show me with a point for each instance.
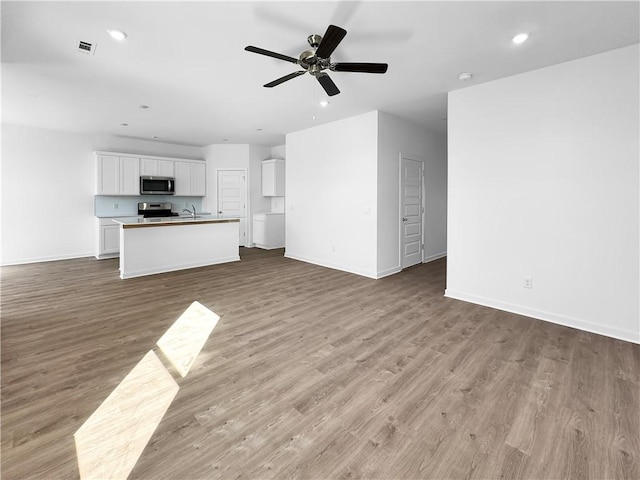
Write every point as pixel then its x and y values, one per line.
pixel 118 175
pixel 156 168
pixel 198 179
pixel 273 178
pixel 191 179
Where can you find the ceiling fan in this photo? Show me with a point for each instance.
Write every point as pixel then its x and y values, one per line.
pixel 318 59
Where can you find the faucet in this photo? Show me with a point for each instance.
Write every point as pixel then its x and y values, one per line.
pixel 192 213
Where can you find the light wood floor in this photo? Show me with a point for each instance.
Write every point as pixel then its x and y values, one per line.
pixel 314 373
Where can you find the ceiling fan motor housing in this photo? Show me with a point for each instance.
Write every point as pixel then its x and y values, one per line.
pixel 313 64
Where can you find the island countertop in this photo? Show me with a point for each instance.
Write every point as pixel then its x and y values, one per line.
pixel 135 222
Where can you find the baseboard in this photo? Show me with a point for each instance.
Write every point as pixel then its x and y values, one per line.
pixel 627 336
pixel 52 258
pixel 320 263
pixel 264 247
pixel 182 266
pixel 436 256
pixel 390 271
pixel 107 256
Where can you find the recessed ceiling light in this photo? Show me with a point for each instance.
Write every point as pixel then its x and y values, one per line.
pixel 143 107
pixel 117 34
pixel 465 76
pixel 324 103
pixel 520 38
pixel 123 124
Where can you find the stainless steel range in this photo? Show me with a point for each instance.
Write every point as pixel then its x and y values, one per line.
pixel 155 209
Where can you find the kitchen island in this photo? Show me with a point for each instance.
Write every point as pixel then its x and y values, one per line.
pixel 157 245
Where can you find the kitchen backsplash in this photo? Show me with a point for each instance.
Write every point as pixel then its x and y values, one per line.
pixel 108 206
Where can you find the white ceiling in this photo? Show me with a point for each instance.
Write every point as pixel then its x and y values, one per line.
pixel 186 60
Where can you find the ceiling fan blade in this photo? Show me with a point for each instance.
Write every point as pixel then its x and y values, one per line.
pixel 284 79
pixel 328 84
pixel 268 53
pixel 331 39
pixel 360 67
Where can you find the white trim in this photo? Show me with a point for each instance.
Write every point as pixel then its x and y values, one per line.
pixel 248 227
pixel 330 265
pixel 180 266
pixel 433 257
pixel 23 261
pixel 144 155
pixel 423 205
pixel 390 271
pixel 628 336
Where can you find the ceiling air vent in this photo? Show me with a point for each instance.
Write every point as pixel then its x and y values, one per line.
pixel 88 48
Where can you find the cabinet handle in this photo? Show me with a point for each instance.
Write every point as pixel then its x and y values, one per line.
pixel 404 219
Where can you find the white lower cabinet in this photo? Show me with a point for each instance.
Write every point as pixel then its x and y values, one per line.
pixel 108 239
pixel 268 230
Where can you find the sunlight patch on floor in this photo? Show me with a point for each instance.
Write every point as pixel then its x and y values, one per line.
pixel 110 442
pixel 182 343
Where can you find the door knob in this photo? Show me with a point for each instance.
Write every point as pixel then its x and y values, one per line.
pixel 404 219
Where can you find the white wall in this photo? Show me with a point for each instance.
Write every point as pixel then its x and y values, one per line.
pixel 343 200
pixel 331 203
pixel 398 136
pixel 221 156
pixel 543 182
pixel 249 157
pixel 48 182
pixel 278 151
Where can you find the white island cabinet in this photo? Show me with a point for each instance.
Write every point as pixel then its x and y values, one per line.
pixel 156 245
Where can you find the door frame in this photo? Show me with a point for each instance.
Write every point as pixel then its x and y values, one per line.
pixel 415 158
pixel 248 233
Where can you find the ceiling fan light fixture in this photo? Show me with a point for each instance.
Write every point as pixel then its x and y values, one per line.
pixel 118 35
pixel 520 38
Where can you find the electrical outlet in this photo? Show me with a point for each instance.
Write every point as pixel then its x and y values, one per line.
pixel 527 282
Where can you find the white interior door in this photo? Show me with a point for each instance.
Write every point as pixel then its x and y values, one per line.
pixel 411 211
pixel 232 198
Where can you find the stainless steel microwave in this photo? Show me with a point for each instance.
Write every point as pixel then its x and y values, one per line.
pixel 157 185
